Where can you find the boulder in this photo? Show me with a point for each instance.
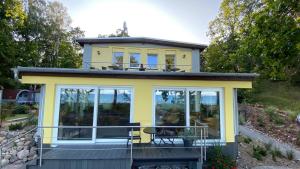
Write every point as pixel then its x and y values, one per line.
pixel 3 133
pixel 21 143
pixel 4 162
pixel 1 139
pixel 23 154
pixel 27 143
pixel 13 158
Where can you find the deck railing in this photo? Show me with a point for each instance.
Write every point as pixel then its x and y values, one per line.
pixel 138 67
pixel 170 138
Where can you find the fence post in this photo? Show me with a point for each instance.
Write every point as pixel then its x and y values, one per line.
pixel 41 147
pixel 131 146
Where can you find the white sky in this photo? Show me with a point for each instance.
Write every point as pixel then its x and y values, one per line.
pixel 181 20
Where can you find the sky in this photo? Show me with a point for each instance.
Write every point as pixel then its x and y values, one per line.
pixel 180 20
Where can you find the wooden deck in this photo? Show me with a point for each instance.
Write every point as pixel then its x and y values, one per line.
pixel 113 156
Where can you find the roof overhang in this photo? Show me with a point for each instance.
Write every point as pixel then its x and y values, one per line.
pixel 66 72
pixel 143 40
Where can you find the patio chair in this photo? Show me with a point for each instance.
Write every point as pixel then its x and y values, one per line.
pixel 135 132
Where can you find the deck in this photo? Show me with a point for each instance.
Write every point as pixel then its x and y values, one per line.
pixel 115 156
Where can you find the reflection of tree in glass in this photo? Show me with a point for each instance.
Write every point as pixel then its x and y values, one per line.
pixel 165 95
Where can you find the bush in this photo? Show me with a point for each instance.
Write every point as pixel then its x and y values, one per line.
pixel 274 117
pixel 260 121
pixel 21 109
pixel 276 153
pixel 268 146
pixel 258 152
pixel 247 140
pixel 290 154
pixel 17 126
pixel 218 160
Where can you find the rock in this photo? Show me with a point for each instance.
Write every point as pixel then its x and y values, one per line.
pixel 298 119
pixel 19 162
pixel 7 156
pixel 19 148
pixel 20 143
pixel 25 159
pixel 22 139
pixel 13 152
pixel 1 139
pixel 13 158
pixel 4 162
pixel 32 151
pixel 3 133
pixel 27 143
pixel 23 154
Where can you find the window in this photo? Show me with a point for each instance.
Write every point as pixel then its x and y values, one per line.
pixel 113 110
pixel 170 62
pixel 76 109
pixel 182 107
pixel 205 107
pixel 118 59
pixel 135 60
pixel 152 61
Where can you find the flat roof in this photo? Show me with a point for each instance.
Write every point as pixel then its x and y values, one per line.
pixel 155 41
pixel 67 72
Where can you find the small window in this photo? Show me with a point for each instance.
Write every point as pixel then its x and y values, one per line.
pixel 118 59
pixel 170 62
pixel 152 61
pixel 135 60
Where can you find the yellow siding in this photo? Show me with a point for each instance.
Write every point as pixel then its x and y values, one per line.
pixel 183 56
pixel 143 89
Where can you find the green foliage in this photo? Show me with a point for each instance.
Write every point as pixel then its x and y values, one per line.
pixel 256 36
pixel 218 160
pixel 290 154
pixel 268 146
pixel 258 152
pixel 17 126
pixel 247 140
pixel 40 36
pixel 260 121
pixel 21 109
pixel 276 153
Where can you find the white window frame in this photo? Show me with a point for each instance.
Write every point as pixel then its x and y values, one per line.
pixel 95 114
pixel 187 90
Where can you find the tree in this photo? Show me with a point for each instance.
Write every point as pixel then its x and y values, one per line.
pixel 121 32
pixel 256 36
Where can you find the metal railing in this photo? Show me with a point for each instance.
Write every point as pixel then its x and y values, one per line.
pixel 199 135
pixel 137 67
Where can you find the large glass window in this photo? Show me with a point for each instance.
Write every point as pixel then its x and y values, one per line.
pixel 152 61
pixel 113 110
pixel 76 109
pixel 170 108
pixel 118 59
pixel 135 60
pixel 205 108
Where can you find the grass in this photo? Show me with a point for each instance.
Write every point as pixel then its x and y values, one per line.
pixel 16 116
pixel 290 154
pixel 258 152
pixel 279 94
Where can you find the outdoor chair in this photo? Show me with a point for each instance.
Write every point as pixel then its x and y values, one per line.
pixel 135 132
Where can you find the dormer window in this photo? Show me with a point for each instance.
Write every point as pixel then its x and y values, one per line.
pixel 152 61
pixel 117 59
pixel 135 60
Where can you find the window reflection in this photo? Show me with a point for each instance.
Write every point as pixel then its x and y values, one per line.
pixel 113 110
pixel 76 109
pixel 205 107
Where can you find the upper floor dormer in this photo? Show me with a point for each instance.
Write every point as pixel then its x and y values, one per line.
pixel 140 54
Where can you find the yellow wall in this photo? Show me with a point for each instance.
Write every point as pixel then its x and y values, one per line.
pixel 183 56
pixel 143 89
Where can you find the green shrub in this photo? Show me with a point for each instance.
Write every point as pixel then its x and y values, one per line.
pixel 247 140
pixel 218 160
pixel 21 109
pixel 292 115
pixel 242 120
pixel 268 146
pixel 276 153
pixel 260 121
pixel 17 126
pixel 270 110
pixel 258 152
pixel 290 154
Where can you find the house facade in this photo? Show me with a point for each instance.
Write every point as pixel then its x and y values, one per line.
pixel 148 81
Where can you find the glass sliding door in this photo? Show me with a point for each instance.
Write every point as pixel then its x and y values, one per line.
pixel 113 110
pixel 205 107
pixel 76 107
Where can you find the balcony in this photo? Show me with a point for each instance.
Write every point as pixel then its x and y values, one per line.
pixel 138 67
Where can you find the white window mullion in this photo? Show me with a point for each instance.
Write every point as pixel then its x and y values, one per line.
pixel 95 115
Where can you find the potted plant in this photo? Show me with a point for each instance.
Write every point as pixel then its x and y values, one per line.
pixel 188 137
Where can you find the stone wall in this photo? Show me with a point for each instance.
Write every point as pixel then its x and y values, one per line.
pixel 21 150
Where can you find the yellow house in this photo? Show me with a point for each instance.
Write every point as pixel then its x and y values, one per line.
pixel 154 83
